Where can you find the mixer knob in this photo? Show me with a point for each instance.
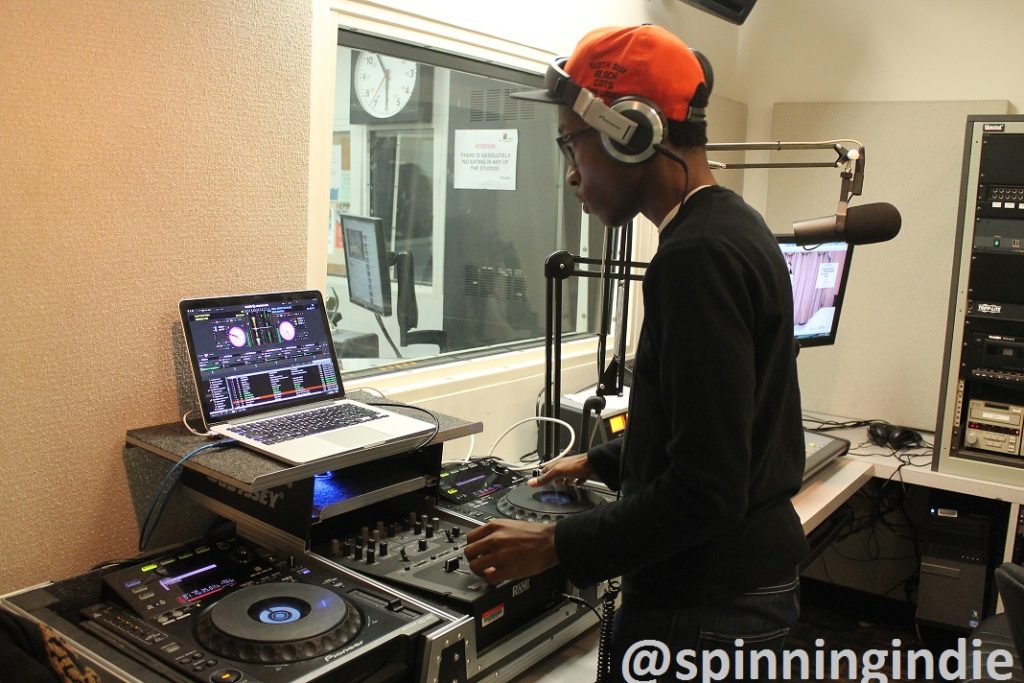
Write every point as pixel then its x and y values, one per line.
pixel 364 533
pixel 456 532
pixel 335 547
pixel 451 564
pixel 417 529
pixel 422 545
pixel 346 549
pixel 383 548
pixel 357 552
pixel 430 530
pixel 370 554
pixel 376 535
pixel 392 530
pixel 241 554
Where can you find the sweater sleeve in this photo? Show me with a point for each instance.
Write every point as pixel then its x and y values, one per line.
pixel 699 324
pixel 604 460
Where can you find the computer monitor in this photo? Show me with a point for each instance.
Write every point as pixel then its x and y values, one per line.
pixel 818 274
pixel 366 263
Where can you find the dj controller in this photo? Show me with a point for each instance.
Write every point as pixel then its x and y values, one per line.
pixel 424 552
pixel 233 611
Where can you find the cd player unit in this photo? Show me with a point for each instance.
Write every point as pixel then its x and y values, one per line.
pixel 233 611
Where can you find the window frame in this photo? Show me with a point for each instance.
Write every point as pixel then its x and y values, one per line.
pixel 417 32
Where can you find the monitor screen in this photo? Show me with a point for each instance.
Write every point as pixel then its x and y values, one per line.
pixel 818 274
pixel 366 263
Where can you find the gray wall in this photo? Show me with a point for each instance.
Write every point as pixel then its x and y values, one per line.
pixel 888 356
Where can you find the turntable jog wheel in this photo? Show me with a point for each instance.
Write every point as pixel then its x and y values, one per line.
pixel 275 623
pixel 546 503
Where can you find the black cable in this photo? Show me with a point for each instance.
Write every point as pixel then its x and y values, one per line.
pixel 607 616
pixel 530 458
pixel 163 492
pixel 384 330
pixel 433 418
pixel 832 425
pixel 580 601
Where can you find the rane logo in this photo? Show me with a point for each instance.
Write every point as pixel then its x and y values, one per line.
pixel 521 587
pixel 990 308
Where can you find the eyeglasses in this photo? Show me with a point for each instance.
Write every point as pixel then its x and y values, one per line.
pixel 565 144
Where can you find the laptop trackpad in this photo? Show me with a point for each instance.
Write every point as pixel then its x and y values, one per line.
pixel 356 436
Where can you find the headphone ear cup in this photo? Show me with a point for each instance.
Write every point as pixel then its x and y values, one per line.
pixel 650 131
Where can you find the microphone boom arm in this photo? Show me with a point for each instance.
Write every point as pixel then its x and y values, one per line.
pixel 850 158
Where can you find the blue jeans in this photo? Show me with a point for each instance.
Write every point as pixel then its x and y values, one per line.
pixel 709 633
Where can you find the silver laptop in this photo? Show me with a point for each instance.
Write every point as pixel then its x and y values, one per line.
pixel 267 375
pixel 820 450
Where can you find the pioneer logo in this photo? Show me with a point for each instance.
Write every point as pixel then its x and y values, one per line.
pixel 344 651
pixel 521 587
pixel 990 308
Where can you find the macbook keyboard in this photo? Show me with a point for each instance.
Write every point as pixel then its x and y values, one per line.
pixel 296 425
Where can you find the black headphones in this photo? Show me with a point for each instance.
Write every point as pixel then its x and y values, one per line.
pixel 893 436
pixel 631 127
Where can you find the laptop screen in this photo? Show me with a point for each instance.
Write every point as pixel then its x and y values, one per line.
pixel 260 352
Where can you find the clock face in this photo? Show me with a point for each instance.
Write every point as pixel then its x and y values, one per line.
pixel 383 85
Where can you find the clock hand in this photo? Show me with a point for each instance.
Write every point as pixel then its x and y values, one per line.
pixel 387 80
pixel 383 83
pixel 373 98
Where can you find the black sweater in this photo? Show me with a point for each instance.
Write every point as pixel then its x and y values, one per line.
pixel 714 448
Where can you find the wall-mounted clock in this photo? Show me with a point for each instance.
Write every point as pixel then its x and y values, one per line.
pixel 389 89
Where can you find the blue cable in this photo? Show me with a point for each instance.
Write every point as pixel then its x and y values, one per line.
pixel 162 497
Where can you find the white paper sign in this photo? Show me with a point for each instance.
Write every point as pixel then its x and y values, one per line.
pixel 827 273
pixel 486 159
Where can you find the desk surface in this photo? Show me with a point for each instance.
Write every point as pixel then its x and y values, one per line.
pixel 827 489
pixel 915 467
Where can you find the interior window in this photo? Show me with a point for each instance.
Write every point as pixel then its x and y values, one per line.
pixel 447 197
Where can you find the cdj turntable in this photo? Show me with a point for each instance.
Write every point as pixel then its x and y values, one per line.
pixel 487 489
pixel 237 612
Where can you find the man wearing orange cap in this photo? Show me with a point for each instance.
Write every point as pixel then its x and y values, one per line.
pixel 704 534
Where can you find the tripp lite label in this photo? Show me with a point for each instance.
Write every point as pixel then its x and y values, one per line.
pixel 990 308
pixel 994 127
pixel 492 615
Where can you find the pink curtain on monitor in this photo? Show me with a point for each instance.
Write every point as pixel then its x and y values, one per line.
pixel 803 272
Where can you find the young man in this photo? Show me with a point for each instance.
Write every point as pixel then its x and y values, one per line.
pixel 704 535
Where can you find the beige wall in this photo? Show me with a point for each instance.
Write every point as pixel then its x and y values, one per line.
pixel 150 151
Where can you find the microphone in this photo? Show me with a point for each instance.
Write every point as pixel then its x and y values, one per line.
pixel 863 224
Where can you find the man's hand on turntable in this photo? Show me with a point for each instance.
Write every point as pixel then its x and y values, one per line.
pixel 572 469
pixel 506 549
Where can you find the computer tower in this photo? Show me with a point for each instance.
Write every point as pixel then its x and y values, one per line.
pixel 962 543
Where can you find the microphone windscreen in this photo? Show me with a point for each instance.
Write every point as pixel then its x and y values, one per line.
pixel 871 223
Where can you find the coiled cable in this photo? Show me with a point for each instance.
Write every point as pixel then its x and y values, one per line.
pixel 604 662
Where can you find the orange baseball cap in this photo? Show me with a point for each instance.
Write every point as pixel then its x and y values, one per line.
pixel 638 61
